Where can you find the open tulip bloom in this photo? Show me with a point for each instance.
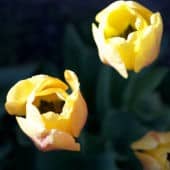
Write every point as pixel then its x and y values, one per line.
pixel 46 112
pixel 153 150
pixel 127 36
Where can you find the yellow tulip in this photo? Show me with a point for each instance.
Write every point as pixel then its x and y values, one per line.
pixel 153 150
pixel 127 36
pixel 49 111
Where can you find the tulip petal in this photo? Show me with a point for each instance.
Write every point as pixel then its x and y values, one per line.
pixel 47 140
pixel 72 79
pixel 29 127
pixel 43 82
pixel 47 92
pixel 75 106
pixel 55 121
pixel 55 139
pixel 148 162
pixel 107 52
pixel 33 124
pixel 151 140
pixel 102 15
pixel 146 13
pixel 153 150
pixel 151 37
pixel 17 96
pixel 78 115
pixel 33 114
pixel 148 142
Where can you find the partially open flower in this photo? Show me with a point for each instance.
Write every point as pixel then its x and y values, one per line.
pixel 54 113
pixel 128 36
pixel 153 150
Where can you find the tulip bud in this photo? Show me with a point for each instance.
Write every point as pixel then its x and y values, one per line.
pixel 127 36
pixel 51 116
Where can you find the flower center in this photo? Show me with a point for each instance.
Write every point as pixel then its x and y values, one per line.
pixel 168 156
pixel 54 106
pixel 127 31
pixel 122 21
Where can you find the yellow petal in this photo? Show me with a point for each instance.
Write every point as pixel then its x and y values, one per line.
pixel 33 124
pixel 107 52
pixel 55 121
pixel 153 150
pixel 152 140
pixel 78 115
pixel 62 94
pixel 111 26
pixel 33 114
pixel 75 107
pixel 148 162
pixel 102 15
pixel 125 50
pixel 47 92
pixel 55 139
pixel 145 12
pixel 147 44
pixel 29 127
pixel 148 142
pixel 45 139
pixel 17 97
pixel 71 79
pixel 18 94
pixel 43 82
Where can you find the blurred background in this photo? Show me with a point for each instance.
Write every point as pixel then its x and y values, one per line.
pixel 47 36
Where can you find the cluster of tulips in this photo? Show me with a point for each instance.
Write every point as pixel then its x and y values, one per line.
pixel 52 113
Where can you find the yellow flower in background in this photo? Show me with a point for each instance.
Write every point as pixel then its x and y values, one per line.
pixel 128 36
pixel 53 113
pixel 153 150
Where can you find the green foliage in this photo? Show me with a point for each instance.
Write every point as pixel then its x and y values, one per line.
pixel 141 85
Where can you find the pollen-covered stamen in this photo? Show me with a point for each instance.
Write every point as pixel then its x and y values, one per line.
pixel 54 106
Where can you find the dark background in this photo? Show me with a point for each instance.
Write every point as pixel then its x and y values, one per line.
pixel 48 36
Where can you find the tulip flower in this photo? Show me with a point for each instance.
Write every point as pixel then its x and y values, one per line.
pixel 49 111
pixel 127 36
pixel 153 150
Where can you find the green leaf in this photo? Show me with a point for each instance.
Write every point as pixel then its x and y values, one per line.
pixel 103 90
pixel 142 84
pixel 151 107
pixel 109 90
pixel 70 160
pixel 121 127
pixel 77 55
